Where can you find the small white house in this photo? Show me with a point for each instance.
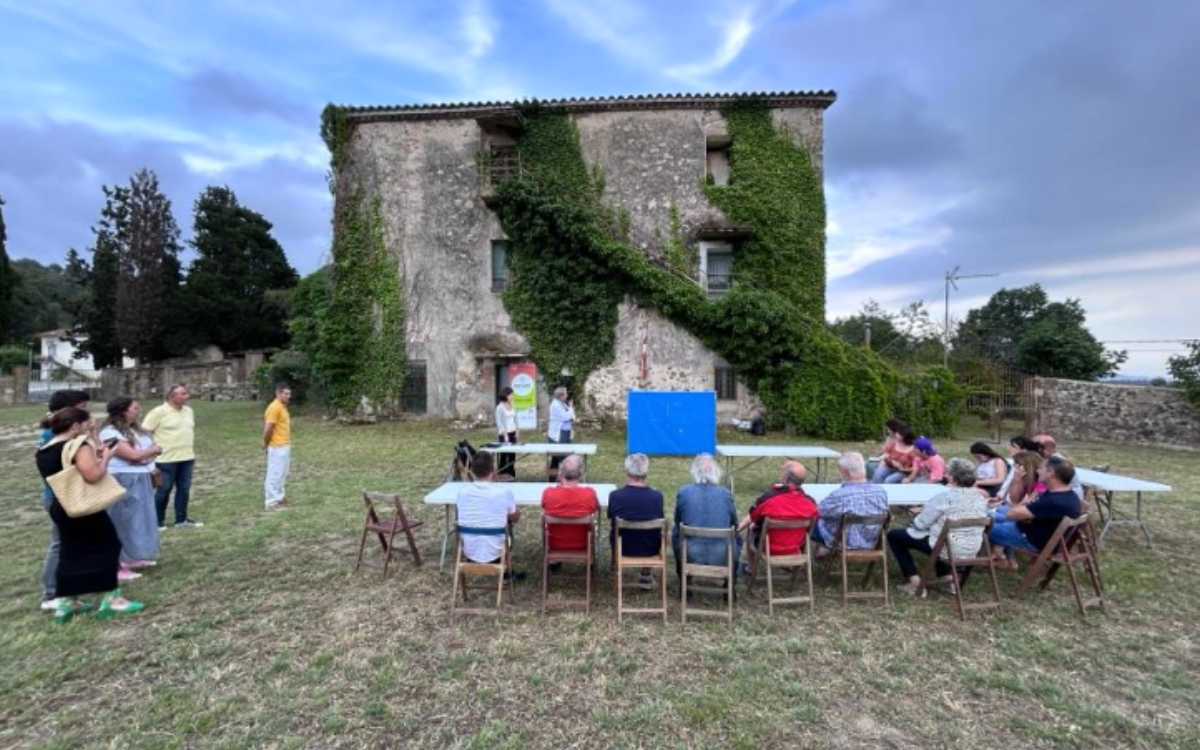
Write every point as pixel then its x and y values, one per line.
pixel 59 353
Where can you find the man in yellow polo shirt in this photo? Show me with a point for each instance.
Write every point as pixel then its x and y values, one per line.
pixel 277 443
pixel 173 427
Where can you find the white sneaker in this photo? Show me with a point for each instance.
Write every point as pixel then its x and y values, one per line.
pixel 51 605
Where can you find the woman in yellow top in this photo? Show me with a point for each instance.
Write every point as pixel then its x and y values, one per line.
pixel 277 444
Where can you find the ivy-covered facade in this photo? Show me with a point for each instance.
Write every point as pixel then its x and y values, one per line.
pixel 667 243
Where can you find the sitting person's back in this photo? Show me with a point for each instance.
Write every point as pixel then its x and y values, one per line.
pixel 704 503
pixel 569 500
pixel 785 501
pixel 856 495
pixel 483 504
pixel 636 501
pixel 1031 525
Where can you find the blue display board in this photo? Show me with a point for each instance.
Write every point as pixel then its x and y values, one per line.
pixel 672 423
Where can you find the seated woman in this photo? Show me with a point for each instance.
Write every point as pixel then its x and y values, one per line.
pixel 1016 444
pixel 990 470
pixel 929 467
pixel 960 501
pixel 898 456
pixel 1024 486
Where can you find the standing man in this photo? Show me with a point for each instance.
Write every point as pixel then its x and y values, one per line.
pixel 172 425
pixel 277 444
pixel 561 426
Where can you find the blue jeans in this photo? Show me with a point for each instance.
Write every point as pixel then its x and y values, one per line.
pixel 1007 534
pixel 885 474
pixel 177 475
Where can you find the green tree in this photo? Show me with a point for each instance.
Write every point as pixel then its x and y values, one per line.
pixel 231 293
pixel 909 336
pixel 43 300
pixel 95 311
pixel 1185 369
pixel 8 284
pixel 147 251
pixel 1021 328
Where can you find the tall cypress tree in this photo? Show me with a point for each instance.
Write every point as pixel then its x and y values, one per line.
pixel 8 282
pixel 238 263
pixel 147 242
pixel 96 309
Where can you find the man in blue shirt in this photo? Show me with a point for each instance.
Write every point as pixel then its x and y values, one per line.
pixel 636 501
pixel 856 495
pixel 1030 526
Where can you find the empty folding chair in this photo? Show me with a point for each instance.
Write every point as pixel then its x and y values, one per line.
pixel 386 528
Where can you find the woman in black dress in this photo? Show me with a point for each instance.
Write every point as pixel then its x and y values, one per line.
pixel 90 550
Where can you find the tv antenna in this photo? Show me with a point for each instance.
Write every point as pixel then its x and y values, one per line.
pixel 952 277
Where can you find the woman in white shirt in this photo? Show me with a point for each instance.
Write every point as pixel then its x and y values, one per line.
pixel 562 423
pixel 132 464
pixel 506 431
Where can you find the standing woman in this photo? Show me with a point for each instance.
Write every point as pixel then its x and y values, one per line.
pixel 132 463
pixel 506 431
pixel 990 469
pixel 562 423
pixel 89 548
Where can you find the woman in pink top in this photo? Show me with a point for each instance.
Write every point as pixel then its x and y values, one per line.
pixel 928 467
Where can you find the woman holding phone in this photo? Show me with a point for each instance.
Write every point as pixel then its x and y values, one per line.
pixel 132 465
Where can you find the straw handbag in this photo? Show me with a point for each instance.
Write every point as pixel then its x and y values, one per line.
pixel 77 496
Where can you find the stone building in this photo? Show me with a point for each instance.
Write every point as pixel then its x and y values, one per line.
pixel 424 163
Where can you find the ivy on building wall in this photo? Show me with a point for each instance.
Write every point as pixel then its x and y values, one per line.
pixel 570 271
pixel 774 189
pixel 360 345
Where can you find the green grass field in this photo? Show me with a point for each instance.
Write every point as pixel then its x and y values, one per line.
pixel 257 634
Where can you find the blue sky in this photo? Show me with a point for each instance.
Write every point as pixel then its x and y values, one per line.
pixel 1051 142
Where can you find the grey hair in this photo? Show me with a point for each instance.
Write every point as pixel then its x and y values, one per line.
pixel 637 465
pixel 853 464
pixel 560 391
pixel 961 472
pixel 705 470
pixel 571 467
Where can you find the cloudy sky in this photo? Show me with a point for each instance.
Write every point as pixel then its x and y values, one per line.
pixel 1050 142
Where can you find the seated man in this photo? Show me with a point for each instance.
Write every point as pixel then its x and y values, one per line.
pixel 856 495
pixel 636 501
pixel 1048 447
pixel 484 504
pixel 569 500
pixel 1030 526
pixel 784 501
pixel 928 467
pixel 704 503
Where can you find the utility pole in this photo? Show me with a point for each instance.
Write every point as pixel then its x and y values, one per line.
pixel 951 278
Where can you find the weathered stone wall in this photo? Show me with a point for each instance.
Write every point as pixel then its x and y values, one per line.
pixel 208 381
pixel 8 391
pixel 440 229
pixel 1076 410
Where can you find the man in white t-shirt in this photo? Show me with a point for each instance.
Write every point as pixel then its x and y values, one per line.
pixel 484 504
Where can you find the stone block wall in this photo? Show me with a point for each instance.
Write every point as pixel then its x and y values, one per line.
pixel 1076 410
pixel 441 231
pixel 208 381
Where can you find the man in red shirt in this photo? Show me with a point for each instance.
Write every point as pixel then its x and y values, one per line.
pixel 785 501
pixel 569 500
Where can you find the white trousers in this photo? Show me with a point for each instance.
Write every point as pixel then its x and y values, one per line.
pixel 278 462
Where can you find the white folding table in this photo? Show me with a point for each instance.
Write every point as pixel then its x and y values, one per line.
pixel 759 452
pixel 1107 486
pixel 521 450
pixel 524 493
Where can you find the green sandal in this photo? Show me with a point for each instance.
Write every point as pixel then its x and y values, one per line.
pixel 67 609
pixel 107 611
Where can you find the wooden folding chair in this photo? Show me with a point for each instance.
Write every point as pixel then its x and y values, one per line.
pixel 795 562
pixel 657 561
pixel 386 528
pixel 877 554
pixel 463 567
pixel 586 556
pixel 969 563
pixel 1073 542
pixel 723 573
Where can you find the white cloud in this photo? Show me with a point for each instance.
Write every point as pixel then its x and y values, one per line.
pixel 733 41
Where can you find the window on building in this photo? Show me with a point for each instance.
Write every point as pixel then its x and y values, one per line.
pixel 716 160
pixel 724 382
pixel 716 267
pixel 499 265
pixel 414 398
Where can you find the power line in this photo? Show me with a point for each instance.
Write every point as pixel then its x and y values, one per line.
pixel 1150 341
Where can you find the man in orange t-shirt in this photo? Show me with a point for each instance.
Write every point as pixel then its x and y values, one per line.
pixel 569 500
